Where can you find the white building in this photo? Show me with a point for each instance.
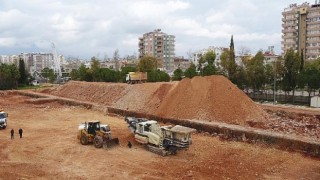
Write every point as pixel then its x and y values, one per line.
pixel 217 50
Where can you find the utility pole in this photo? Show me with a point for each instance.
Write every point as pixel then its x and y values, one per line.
pixel 274 81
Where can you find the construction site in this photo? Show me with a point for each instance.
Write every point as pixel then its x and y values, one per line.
pixel 234 137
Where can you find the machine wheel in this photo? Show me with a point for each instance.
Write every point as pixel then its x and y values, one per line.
pixel 173 150
pixel 84 139
pixel 98 142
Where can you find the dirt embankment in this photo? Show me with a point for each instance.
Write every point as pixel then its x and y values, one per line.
pixel 212 98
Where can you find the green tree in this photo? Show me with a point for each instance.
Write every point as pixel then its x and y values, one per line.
pixel 210 56
pixel 256 72
pixel 9 76
pixel 158 76
pixel 232 66
pixel 228 63
pixel 177 74
pixel 95 69
pixel 74 74
pixel 209 70
pixel 241 79
pixel 291 71
pixel 23 80
pixel 309 77
pixel 82 73
pixel 147 64
pixel 48 73
pixel 191 71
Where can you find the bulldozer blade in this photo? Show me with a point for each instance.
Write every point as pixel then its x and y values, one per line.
pixel 111 142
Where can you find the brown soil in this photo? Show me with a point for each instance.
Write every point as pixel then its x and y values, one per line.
pixel 212 98
pixel 50 150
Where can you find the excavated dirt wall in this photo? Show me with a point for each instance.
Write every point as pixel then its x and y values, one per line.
pixel 212 98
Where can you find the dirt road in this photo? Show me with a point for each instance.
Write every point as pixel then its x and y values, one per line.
pixel 50 150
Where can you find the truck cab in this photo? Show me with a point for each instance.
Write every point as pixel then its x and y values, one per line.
pixel 3 119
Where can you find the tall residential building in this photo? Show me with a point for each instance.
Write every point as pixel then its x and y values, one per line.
pixel 159 45
pixel 301 29
pixel 36 62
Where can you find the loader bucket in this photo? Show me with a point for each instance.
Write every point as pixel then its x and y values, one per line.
pixel 111 142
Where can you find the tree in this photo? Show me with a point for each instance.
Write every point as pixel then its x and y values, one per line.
pixel 23 80
pixel 200 63
pixel 48 73
pixel 94 70
pixel 158 76
pixel 309 77
pixel 291 71
pixel 191 71
pixel 209 70
pixel 9 76
pixel 147 64
pixel 232 66
pixel 241 79
pixel 228 63
pixel 256 71
pixel 84 73
pixel 74 74
pixel 210 56
pixel 177 74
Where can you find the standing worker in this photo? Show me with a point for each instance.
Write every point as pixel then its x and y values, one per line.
pixel 12 134
pixel 20 132
pixel 129 144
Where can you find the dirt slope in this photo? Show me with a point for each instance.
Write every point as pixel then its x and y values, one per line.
pixel 212 98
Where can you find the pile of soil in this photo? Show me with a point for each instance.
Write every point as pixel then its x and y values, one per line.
pixel 101 93
pixel 211 98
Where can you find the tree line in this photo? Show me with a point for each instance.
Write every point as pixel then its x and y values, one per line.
pixel 287 73
pixel 97 74
pixel 12 76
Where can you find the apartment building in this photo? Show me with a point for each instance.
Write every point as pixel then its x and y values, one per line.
pixel 36 62
pixel 301 29
pixel 218 51
pixel 9 59
pixel 159 45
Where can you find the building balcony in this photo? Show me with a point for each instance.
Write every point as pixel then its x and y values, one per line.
pixel 288 30
pixel 313 47
pixel 313 35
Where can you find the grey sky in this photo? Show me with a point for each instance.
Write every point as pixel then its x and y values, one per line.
pixel 83 28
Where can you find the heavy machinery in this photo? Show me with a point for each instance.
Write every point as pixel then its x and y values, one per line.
pixel 3 119
pixel 99 135
pixel 161 140
pixel 136 77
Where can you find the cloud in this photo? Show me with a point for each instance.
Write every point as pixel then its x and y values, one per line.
pixel 87 28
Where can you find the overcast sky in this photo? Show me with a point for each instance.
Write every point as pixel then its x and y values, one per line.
pixel 83 28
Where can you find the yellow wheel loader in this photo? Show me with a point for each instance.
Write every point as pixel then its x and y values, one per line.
pixel 99 135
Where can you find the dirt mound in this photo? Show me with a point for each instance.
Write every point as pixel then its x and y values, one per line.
pixel 101 93
pixel 212 98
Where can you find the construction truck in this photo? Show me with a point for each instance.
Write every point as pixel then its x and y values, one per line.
pixel 94 132
pixel 3 119
pixel 136 77
pixel 163 140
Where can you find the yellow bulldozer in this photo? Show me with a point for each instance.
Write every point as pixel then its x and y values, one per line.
pixel 94 132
